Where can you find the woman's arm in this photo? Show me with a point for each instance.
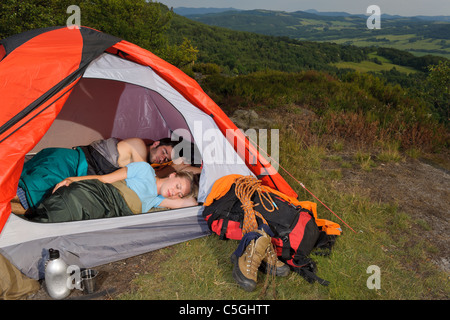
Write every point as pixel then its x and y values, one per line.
pixel 117 175
pixel 178 203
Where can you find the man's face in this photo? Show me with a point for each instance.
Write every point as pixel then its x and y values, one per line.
pixel 160 154
pixel 175 187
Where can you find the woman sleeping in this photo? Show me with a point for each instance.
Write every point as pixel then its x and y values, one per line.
pixel 129 190
pixel 51 165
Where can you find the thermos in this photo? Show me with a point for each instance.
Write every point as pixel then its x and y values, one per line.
pixel 56 276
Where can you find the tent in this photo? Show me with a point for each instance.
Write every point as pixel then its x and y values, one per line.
pixel 62 87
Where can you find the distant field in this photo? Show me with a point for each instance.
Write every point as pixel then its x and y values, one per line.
pixel 410 34
pixel 367 65
pixel 407 42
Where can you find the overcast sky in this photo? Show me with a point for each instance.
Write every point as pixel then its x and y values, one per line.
pixel 400 7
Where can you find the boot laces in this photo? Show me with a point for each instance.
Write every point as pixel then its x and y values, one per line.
pixel 253 259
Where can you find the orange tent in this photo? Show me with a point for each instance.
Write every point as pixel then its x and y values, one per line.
pixel 40 71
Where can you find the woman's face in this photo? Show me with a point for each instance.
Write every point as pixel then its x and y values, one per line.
pixel 175 187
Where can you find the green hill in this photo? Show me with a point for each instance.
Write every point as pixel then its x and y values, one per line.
pixel 242 52
pixel 412 34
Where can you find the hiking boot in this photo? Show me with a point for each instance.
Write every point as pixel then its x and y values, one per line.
pixel 272 265
pixel 245 269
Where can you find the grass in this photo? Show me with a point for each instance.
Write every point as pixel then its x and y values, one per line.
pixel 364 160
pixel 201 269
pixel 391 153
pixel 368 65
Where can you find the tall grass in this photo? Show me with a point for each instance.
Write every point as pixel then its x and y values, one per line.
pixel 201 269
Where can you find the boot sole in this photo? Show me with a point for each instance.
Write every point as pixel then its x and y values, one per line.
pixel 279 272
pixel 246 284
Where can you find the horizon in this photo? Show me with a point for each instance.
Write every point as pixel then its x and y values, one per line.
pixel 306 10
pixel 402 8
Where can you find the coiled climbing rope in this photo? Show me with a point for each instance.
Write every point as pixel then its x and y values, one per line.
pixel 246 186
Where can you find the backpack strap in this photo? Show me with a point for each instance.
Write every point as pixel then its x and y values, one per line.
pixel 286 249
pixel 223 230
pixel 308 272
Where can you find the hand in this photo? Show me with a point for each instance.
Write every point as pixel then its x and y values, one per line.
pixel 63 183
pixel 180 160
pixel 180 164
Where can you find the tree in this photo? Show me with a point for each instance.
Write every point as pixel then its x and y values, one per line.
pixel 439 81
pixel 18 16
pixel 181 55
pixel 138 21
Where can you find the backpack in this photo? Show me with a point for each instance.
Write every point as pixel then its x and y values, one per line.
pixel 294 224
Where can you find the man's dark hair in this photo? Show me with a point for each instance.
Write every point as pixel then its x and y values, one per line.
pixel 187 144
pixel 168 142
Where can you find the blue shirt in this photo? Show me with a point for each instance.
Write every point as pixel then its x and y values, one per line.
pixel 141 178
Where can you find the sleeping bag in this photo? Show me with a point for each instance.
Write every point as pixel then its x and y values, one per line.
pixel 82 200
pixel 49 167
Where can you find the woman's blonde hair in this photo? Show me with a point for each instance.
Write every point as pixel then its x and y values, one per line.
pixel 193 180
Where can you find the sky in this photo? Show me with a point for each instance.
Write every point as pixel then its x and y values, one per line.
pixel 398 7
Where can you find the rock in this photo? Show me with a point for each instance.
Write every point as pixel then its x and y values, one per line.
pixel 246 119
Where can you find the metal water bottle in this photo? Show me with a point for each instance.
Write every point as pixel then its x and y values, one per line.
pixel 56 276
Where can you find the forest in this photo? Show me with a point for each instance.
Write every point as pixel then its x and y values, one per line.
pixel 415 34
pixel 241 69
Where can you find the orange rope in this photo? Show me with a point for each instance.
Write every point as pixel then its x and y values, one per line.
pixel 245 188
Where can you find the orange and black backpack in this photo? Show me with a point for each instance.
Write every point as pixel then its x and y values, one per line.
pixel 296 230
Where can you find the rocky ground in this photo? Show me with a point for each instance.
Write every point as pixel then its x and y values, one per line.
pixel 419 188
